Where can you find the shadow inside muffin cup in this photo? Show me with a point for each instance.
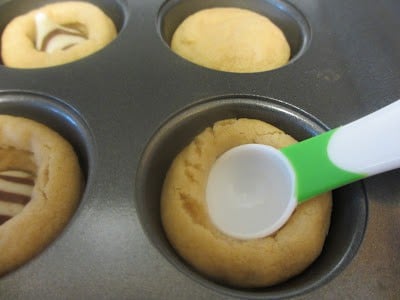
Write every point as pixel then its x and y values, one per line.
pixel 349 212
pixel 288 18
pixel 9 9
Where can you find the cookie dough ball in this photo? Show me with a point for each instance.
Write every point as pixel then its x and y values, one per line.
pixel 231 39
pixel 241 263
pixel 40 187
pixel 85 24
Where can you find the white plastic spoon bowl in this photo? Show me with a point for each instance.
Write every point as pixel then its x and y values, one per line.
pixel 253 189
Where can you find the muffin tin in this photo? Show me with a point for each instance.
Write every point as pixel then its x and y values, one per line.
pixel 129 108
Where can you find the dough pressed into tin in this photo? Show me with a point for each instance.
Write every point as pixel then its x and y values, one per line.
pixel 242 263
pixel 231 39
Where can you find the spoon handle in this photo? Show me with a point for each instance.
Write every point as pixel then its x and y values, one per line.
pixel 360 149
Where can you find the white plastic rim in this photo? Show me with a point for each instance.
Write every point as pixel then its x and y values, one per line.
pixel 251 191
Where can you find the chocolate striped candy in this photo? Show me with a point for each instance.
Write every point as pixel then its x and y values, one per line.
pixel 51 36
pixel 15 192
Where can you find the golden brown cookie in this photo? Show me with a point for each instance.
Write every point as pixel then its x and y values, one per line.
pixel 242 263
pixel 231 39
pixel 83 23
pixel 40 187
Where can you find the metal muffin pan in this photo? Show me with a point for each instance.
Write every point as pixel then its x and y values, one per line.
pixel 120 105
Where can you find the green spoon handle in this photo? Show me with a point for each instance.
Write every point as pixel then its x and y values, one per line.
pixel 315 172
pixel 363 148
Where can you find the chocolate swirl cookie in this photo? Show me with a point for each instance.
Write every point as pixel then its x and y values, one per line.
pixel 56 34
pixel 51 37
pixel 40 186
pixel 15 192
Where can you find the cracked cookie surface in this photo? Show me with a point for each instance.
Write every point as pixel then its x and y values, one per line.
pixel 40 187
pixel 243 263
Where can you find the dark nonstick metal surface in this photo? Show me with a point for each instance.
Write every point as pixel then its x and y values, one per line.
pixel 111 104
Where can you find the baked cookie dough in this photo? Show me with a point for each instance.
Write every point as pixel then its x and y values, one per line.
pixel 231 39
pixel 242 263
pixel 78 29
pixel 40 187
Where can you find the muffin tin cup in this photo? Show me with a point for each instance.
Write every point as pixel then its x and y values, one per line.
pixel 289 19
pixel 349 213
pixel 63 119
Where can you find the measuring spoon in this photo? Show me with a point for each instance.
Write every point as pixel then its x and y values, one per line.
pixel 253 189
